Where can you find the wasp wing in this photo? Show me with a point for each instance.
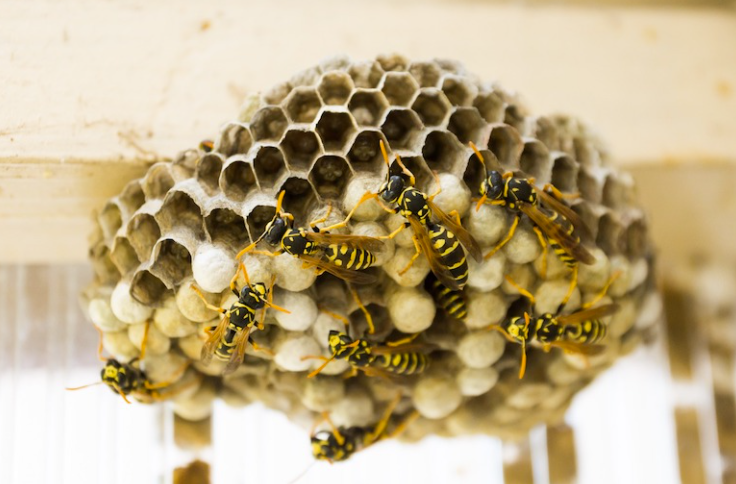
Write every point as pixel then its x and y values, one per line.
pixel 555 231
pixel 238 353
pixel 364 242
pixel 407 348
pixel 433 256
pixel 356 277
pixel 587 314
pixel 208 350
pixel 563 210
pixel 468 241
pixel 581 349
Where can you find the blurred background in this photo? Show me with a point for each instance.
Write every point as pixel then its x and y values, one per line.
pixel 93 92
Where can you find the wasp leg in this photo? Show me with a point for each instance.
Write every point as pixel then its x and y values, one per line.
pixel 366 313
pixel 552 190
pixel 381 425
pixel 521 290
pixel 313 224
pixel 206 303
pixel 366 196
pixel 403 425
pixel 573 283
pixel 395 232
pixel 267 253
pixel 344 320
pixel 522 368
pixel 505 239
pixel 439 186
pixel 156 386
pixel 402 341
pixel 413 258
pixel 603 292
pixel 321 367
pixel 258 347
pixel 543 243
pixel 145 339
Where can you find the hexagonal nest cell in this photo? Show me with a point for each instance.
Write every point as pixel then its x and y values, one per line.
pixel 316 137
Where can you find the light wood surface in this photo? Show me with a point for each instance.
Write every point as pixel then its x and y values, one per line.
pixel 93 91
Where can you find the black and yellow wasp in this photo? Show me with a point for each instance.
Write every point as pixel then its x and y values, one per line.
pixel 440 236
pixel 231 336
pixel 451 301
pixel 206 146
pixel 344 256
pixel 558 222
pixel 339 444
pixel 579 332
pixel 393 358
pixel 127 379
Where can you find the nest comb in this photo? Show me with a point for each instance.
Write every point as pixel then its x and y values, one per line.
pixel 316 137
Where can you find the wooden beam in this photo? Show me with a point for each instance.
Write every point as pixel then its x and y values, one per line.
pixel 94 91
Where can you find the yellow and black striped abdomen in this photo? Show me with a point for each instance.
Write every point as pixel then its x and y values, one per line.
pixel 450 251
pixel 452 302
pixel 410 363
pixel 562 253
pixel 349 257
pixel 586 332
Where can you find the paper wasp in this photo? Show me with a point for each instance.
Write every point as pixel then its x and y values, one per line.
pixel 343 256
pixel 231 336
pixel 128 379
pixel 206 146
pixel 338 444
pixel 393 358
pixel 579 332
pixel 556 221
pixel 441 241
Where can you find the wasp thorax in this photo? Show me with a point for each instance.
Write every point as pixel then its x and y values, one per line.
pixel 275 231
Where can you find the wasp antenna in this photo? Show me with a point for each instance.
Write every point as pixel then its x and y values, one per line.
pixel 321 367
pixel 120 392
pixel 73 389
pixel 521 290
pixel 385 154
pixel 477 153
pixel 522 369
pixel 279 202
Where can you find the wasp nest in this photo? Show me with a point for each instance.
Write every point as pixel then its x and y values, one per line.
pixel 316 137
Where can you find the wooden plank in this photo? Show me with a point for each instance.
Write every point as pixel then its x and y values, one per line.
pixel 517 463
pixel 87 102
pixel 692 468
pixel 561 456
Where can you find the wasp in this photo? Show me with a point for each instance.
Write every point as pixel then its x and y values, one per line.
pixel 579 332
pixel 232 334
pixel 393 358
pixel 452 302
pixel 206 146
pixel 558 222
pixel 128 379
pixel 442 240
pixel 343 256
pixel 339 444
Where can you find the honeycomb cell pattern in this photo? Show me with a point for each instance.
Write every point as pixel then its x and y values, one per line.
pixel 316 137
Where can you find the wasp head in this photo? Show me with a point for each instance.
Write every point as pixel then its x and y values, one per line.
pixel 115 375
pixel 492 186
pixel 275 230
pixel 516 328
pixel 338 342
pixel 391 190
pixel 254 296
